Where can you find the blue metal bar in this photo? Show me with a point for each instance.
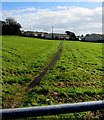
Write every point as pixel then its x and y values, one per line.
pixel 51 110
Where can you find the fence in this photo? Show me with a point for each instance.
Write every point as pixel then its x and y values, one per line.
pixel 51 110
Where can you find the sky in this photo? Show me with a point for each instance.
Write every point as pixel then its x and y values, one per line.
pixel 78 17
pixel 51 0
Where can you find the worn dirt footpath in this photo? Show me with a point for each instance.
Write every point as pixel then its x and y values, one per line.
pixel 35 81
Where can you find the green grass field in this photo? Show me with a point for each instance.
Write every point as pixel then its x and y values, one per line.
pixel 23 58
pixel 76 77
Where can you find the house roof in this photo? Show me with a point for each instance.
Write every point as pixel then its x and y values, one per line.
pixel 57 34
pixel 96 34
pixel 32 32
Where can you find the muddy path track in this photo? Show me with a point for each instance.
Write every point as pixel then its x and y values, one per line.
pixel 20 97
pixel 37 80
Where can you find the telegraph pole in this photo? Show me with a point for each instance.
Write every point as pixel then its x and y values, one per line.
pixel 52 32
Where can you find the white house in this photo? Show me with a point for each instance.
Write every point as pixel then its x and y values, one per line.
pixel 57 36
pixel 39 34
pixel 34 34
pixel 49 36
pixel 26 33
pixel 93 37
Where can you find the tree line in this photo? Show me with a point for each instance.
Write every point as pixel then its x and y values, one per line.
pixel 10 27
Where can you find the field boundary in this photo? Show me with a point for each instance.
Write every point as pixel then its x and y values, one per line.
pixel 51 110
pixel 36 80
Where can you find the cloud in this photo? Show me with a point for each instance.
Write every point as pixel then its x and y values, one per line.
pixel 76 19
pixel 19 11
pixel 25 10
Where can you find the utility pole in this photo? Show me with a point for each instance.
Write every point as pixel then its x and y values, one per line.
pixel 52 32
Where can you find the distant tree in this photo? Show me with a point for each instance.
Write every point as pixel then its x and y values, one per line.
pixel 11 27
pixel 1 24
pixel 71 34
pixel 82 36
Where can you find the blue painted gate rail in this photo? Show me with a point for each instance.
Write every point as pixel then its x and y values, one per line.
pixel 50 110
